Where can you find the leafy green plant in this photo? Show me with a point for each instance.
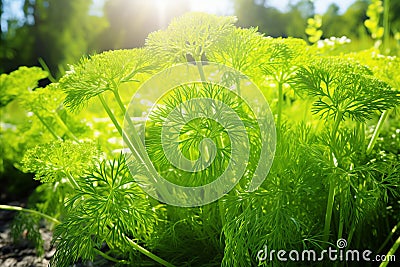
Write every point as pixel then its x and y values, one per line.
pixel 344 90
pixel 328 180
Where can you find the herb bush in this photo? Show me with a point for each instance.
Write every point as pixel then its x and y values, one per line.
pixel 335 172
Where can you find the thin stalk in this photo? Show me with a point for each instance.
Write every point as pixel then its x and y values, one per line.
pixel 238 86
pixel 110 114
pixel 138 143
pixel 148 253
pixel 388 238
pixel 386 26
pixel 341 219
pixel 17 208
pixel 391 253
pixel 332 184
pixel 108 257
pixel 336 126
pixel 280 106
pixel 221 205
pixel 50 129
pixel 121 132
pixel 72 180
pixel 221 208
pixel 329 208
pixel 65 127
pixel 46 68
pixel 201 71
pixel 351 233
pixel 377 130
pixel 142 159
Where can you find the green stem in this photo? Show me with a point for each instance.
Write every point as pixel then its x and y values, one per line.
pixel 108 257
pixel 137 153
pixel 46 68
pixel 65 127
pixel 51 130
pixel 391 253
pixel 386 26
pixel 377 130
pixel 221 208
pixel 332 184
pixel 280 106
pixel 148 253
pixel 199 65
pixel 141 149
pixel 341 219
pixel 388 238
pixel 336 126
pixel 72 180
pixel 201 71
pixel 351 233
pixel 16 208
pixel 238 86
pixel 120 130
pixel 329 208
pixel 110 114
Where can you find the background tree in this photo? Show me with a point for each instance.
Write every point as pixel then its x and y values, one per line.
pixel 269 20
pixel 394 16
pixel 349 24
pixel 57 31
pixel 297 18
pixel 61 31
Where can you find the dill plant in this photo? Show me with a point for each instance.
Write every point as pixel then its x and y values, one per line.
pixel 325 182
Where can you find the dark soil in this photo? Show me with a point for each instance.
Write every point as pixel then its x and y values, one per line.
pixel 21 253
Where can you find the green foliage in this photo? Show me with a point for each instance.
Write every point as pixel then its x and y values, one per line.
pixel 53 161
pixel 280 214
pixel 103 72
pixel 199 122
pixel 239 49
pixel 283 57
pixel 108 207
pixel 50 99
pixel 344 88
pixel 192 34
pixel 384 67
pixel 330 179
pixel 19 83
pixel 26 226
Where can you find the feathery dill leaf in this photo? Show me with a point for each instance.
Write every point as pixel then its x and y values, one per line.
pixel 192 34
pixel 202 122
pixel 19 82
pixel 344 87
pixel 103 72
pixel 109 209
pixel 28 224
pixel 282 56
pixel 240 49
pixel 44 101
pixel 52 161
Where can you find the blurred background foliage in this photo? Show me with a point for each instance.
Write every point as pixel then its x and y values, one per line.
pixel 59 32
